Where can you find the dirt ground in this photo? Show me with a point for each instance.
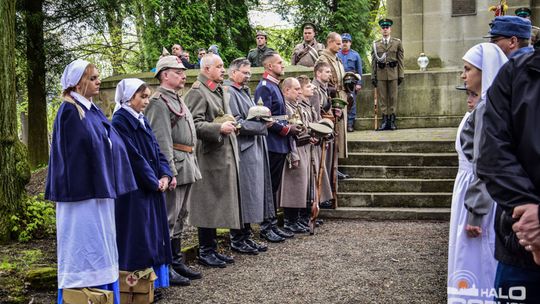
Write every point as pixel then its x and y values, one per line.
pixel 346 262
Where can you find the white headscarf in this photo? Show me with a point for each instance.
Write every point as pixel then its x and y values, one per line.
pixel 73 73
pixel 489 58
pixel 125 90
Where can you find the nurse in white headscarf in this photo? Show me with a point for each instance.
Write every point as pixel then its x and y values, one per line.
pixel 471 262
pixel 88 169
pixel 141 215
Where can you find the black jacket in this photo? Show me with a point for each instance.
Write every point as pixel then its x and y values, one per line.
pixel 510 150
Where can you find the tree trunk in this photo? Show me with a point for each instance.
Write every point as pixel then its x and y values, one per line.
pixel 38 147
pixel 14 172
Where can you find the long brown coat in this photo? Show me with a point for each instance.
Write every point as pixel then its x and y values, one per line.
pixel 293 192
pixel 215 200
pixel 336 81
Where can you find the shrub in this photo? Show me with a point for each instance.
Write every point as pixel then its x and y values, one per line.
pixel 36 221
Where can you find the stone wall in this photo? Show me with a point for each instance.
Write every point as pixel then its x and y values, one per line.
pixel 425 99
pixel 108 85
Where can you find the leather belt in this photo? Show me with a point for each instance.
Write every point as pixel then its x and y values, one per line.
pixel 183 148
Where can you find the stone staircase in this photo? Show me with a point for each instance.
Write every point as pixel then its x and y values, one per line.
pixel 405 174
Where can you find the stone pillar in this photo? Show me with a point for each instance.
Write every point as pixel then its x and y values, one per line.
pixel 412 19
pixel 393 8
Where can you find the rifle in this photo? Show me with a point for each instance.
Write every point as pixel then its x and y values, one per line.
pixel 315 205
pixel 375 108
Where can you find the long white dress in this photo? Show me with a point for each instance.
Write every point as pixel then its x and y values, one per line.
pixel 471 261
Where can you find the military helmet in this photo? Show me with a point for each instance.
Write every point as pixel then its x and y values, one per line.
pixel 260 111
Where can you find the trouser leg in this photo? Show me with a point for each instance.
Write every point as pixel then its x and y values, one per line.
pixel 176 201
pixel 392 89
pixel 351 117
pixel 276 160
pixel 382 94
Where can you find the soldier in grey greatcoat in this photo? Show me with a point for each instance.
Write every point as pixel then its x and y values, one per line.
pixel 255 183
pixel 173 127
pixel 215 200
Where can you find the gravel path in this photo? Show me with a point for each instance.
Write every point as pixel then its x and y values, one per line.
pixel 345 262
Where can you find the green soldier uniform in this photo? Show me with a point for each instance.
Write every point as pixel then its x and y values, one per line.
pixel 387 73
pixel 255 55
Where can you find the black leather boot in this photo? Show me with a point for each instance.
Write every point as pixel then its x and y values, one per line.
pixel 259 246
pixel 207 248
pixel 393 125
pixel 178 261
pixel 176 279
pixel 225 258
pixel 385 124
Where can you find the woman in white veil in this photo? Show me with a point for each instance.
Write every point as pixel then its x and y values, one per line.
pixel 471 261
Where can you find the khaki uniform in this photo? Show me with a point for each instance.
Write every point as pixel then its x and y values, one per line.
pixel 306 54
pixel 535 34
pixel 387 68
pixel 336 81
pixel 172 123
pixel 255 55
pixel 215 199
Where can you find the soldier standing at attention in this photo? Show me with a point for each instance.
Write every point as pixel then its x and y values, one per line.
pixel 255 56
pixel 215 201
pixel 387 73
pixel 352 63
pixel 173 127
pixel 307 52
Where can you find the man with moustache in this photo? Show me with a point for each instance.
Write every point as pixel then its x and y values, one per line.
pixel 279 134
pixel 307 52
pixel 215 202
pixel 255 182
pixel 172 124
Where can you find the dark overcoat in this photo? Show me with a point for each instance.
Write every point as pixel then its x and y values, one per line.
pixel 142 232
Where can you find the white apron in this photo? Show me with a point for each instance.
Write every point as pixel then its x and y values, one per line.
pixel 86 236
pixel 471 261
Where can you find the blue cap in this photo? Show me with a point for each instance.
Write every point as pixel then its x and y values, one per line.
pixel 346 36
pixel 509 26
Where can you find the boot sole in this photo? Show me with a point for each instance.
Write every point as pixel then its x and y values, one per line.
pixel 212 266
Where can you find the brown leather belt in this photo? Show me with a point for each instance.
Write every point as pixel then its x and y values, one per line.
pixel 183 148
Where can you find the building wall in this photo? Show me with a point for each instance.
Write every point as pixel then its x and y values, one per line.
pixel 428 26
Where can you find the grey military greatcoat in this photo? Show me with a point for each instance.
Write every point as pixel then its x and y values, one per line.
pixel 215 200
pixel 255 183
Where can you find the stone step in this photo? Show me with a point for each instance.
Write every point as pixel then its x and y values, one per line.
pixel 396 199
pixel 399 171
pixel 368 213
pixel 395 185
pixel 419 146
pixel 400 159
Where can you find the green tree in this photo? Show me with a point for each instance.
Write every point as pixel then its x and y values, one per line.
pixel 13 157
pixel 38 145
pixel 356 17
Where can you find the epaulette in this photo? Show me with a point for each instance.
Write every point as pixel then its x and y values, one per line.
pixel 196 84
pixel 396 39
pixel 252 50
pixel 263 83
pixel 156 95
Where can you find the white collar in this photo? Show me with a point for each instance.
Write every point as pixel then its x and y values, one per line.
pixel 131 111
pixel 85 102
